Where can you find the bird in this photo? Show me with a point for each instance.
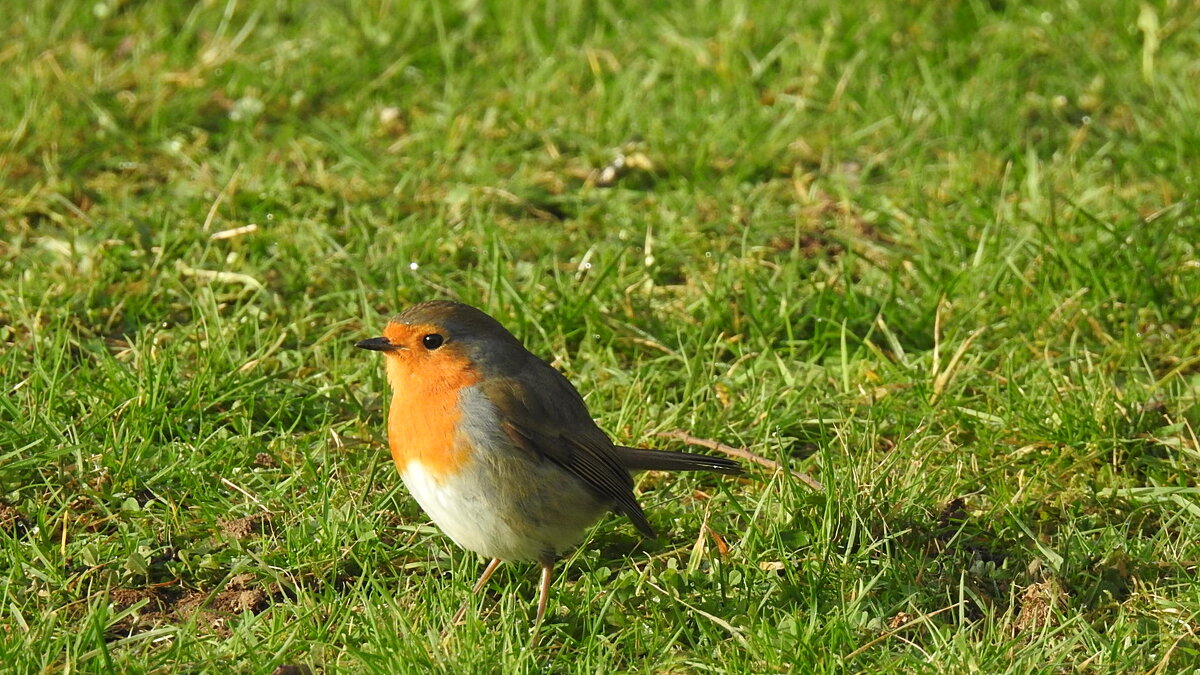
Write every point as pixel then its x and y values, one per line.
pixel 498 447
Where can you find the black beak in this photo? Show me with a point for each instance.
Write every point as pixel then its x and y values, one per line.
pixel 377 344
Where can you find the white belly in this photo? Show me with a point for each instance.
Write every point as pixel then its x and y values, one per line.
pixel 511 510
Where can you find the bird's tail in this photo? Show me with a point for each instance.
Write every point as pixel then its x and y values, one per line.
pixel 642 459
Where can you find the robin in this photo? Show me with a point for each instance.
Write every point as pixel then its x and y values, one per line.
pixel 496 445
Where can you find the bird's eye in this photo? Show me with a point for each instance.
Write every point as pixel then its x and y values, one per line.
pixel 432 341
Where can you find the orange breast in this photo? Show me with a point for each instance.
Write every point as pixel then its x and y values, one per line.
pixel 424 415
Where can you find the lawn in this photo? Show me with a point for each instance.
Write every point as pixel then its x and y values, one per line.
pixel 942 257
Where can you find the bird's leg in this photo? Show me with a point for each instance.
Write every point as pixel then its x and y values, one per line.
pixel 483 579
pixel 487 574
pixel 543 598
pixel 544 594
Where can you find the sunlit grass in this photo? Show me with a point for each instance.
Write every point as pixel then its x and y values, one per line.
pixel 940 257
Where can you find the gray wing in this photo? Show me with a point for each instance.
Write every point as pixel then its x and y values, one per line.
pixel 550 420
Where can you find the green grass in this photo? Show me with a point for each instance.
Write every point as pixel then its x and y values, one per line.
pixel 941 256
